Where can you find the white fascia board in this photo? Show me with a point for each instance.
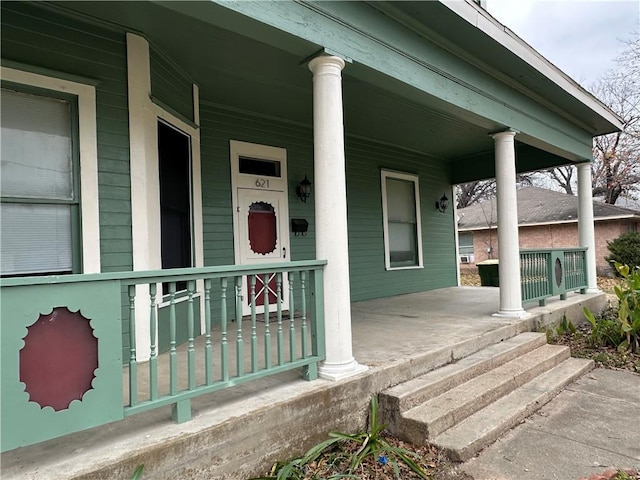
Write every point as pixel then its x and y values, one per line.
pixel 481 19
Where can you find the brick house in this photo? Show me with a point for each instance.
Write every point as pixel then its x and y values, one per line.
pixel 546 219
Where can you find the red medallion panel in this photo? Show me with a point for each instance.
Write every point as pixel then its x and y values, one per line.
pixel 263 235
pixel 59 358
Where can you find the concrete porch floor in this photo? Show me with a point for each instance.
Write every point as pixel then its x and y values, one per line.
pixel 240 431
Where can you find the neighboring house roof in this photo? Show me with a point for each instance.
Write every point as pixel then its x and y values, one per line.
pixel 538 206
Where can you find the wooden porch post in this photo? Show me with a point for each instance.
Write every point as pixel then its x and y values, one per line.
pixel 586 230
pixel 331 215
pixel 508 243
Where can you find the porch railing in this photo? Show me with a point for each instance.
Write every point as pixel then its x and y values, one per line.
pixel 162 338
pixel 548 272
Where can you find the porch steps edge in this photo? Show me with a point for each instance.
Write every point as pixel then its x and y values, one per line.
pixel 442 412
pixel 411 393
pixel 484 427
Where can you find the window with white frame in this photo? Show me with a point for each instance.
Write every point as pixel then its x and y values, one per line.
pixel 39 212
pixel 401 219
pixel 465 246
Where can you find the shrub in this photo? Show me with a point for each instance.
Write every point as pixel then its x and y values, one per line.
pixel 622 329
pixel 625 249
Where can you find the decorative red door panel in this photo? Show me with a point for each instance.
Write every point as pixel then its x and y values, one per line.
pixel 263 238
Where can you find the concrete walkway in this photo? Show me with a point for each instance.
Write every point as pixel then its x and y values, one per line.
pixel 590 426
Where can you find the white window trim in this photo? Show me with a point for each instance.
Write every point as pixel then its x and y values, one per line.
pixel 88 145
pixel 384 174
pixel 145 180
pixel 145 185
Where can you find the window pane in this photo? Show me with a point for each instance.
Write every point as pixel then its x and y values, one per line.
pixel 262 168
pixel 402 244
pixel 402 228
pixel 465 241
pixel 401 204
pixel 35 238
pixel 36 147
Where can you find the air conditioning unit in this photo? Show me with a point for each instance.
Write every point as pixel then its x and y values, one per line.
pixel 467 258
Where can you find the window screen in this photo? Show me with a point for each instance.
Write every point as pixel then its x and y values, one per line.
pixel 37 185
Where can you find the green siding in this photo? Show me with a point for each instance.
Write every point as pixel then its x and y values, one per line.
pixel 218 126
pixel 42 38
pixel 369 279
pixel 170 85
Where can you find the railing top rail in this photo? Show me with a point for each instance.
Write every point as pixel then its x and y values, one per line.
pixel 168 275
pixel 561 249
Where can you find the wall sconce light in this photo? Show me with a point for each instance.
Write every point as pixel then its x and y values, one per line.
pixel 304 189
pixel 442 204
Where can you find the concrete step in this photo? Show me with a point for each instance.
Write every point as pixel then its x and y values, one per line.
pixel 484 427
pixel 407 395
pixel 436 415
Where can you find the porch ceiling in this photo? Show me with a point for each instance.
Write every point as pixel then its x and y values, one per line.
pixel 241 72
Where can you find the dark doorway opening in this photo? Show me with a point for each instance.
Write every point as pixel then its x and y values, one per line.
pixel 174 158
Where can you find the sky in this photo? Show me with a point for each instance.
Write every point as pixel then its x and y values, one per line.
pixel 581 37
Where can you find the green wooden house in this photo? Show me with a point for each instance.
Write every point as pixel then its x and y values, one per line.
pixel 170 167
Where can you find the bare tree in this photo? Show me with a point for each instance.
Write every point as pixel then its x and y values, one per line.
pixel 564 177
pixel 616 166
pixel 473 192
pixel 616 157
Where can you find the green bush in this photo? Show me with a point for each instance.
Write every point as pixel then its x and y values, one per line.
pixel 620 328
pixel 625 249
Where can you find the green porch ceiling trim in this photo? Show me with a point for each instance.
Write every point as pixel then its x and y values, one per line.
pixel 482 166
pixel 394 57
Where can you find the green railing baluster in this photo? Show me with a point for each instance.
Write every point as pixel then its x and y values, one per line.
pixel 133 364
pixel 526 276
pixel 303 308
pixel 208 348
pixel 173 357
pixel 153 328
pixel 292 326
pixel 191 351
pixel 224 347
pixel 279 319
pixel 267 334
pixel 254 336
pixel 239 341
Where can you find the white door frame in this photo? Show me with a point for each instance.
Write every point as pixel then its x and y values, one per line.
pixel 257 183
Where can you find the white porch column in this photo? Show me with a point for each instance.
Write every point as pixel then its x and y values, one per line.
pixel 586 230
pixel 331 215
pixel 508 245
